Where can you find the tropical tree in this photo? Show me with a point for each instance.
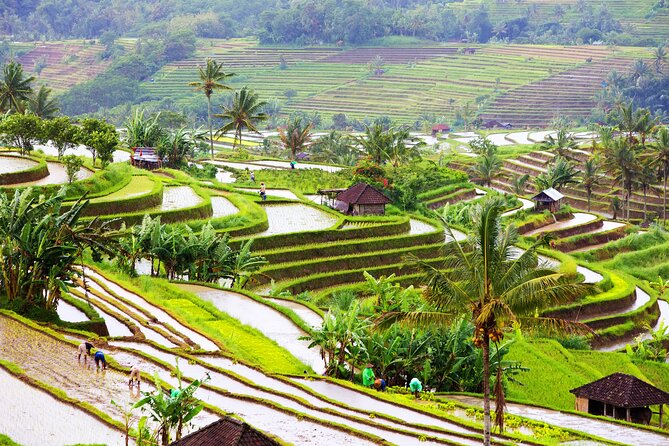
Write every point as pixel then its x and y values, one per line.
pixel 296 136
pixel 562 144
pixel 61 132
pixel 645 179
pixel 336 148
pixel 519 183
pixel 486 168
pixel 143 131
pixel 485 279
pixel 15 88
pixel 243 265
pixel 245 112
pixel 394 144
pixel 42 104
pixel 171 411
pixel 591 176
pixel 606 136
pixel 100 138
pixel 660 57
pixel 176 145
pixel 622 162
pixel 22 130
pixel 212 77
pixel 659 157
pixel 558 174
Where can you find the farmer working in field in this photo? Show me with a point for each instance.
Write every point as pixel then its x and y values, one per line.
pixel 100 360
pixel 416 387
pixel 85 350
pixel 134 376
pixel 368 376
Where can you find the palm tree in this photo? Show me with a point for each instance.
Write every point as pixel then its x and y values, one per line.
pixel 141 131
pixel 605 136
pixel 244 113
pixel 562 144
pixel 559 174
pixel 487 168
pixel 645 179
pixel 659 57
pixel 659 156
pixel 518 184
pixel 336 148
pixel 622 162
pixel 15 88
pixel 42 105
pixel 591 176
pixel 627 121
pixel 211 77
pixel 484 278
pixel 296 136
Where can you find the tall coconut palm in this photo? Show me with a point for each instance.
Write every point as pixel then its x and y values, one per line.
pixel 245 112
pixel 622 162
pixel 15 88
pixel 42 104
pixel 558 174
pixel 296 136
pixel 591 176
pixel 659 157
pixel 485 279
pixel 487 168
pixel 659 57
pixel 645 179
pixel 211 79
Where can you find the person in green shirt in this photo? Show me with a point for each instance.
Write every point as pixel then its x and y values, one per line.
pixel 416 387
pixel 368 376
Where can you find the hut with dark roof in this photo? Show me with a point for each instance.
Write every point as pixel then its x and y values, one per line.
pixel 620 396
pixel 548 199
pixel 362 199
pixel 227 431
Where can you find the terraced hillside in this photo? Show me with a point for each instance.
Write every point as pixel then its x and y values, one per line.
pixel 64 64
pixel 434 80
pixel 637 16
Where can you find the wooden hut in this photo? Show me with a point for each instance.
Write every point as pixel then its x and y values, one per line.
pixel 440 129
pixel 362 199
pixel 227 431
pixel 620 396
pixel 548 199
pixel 146 158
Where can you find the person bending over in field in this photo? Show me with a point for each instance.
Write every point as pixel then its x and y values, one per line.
pixel 84 350
pixel 100 360
pixel 134 376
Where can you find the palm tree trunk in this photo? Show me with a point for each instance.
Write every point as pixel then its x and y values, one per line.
pixel 589 194
pixel 664 209
pixel 645 216
pixel 486 388
pixel 211 133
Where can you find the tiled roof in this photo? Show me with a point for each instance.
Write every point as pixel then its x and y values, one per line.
pixel 226 432
pixel 622 390
pixel 362 193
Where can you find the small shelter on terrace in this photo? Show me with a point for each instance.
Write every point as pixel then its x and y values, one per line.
pixel 146 158
pixel 227 431
pixel 362 199
pixel 440 128
pixel 620 396
pixel 329 196
pixel 548 199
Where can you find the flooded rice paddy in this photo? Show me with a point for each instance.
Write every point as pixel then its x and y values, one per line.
pixel 579 219
pixel 37 418
pixel 179 197
pixel 305 313
pixel 526 204
pixel 10 164
pixel 281 193
pixel 69 313
pixel 57 175
pixel 287 218
pixel 222 207
pixel 418 227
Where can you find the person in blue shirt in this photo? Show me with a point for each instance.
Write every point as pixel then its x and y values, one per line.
pixel 380 385
pixel 100 360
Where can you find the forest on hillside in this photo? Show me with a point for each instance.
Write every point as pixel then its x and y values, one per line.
pixel 307 22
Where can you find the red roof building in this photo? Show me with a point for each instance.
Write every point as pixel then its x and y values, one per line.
pixel 362 199
pixel 227 431
pixel 440 128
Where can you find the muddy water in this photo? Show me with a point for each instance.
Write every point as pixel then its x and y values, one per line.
pixel 609 431
pixel 499 139
pixel 223 176
pixel 286 218
pixel 589 275
pixel 283 193
pixel 156 312
pixel 579 219
pixel 134 316
pixel 224 382
pixel 15 164
pixel 267 320
pixel 260 416
pixel 521 137
pixel 36 418
pixel 70 313
pixel 114 326
pixel 367 403
pixel 57 175
pixel 456 235
pixel 179 197
pixel 222 207
pixel 608 226
pixel 418 227
pixel 305 313
pixel 664 318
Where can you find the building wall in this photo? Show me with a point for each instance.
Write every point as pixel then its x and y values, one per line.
pixel 369 209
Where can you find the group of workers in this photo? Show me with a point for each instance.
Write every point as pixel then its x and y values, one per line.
pixel 370 380
pixel 85 351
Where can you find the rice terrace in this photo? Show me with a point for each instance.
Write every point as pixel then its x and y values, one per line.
pixel 419 222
